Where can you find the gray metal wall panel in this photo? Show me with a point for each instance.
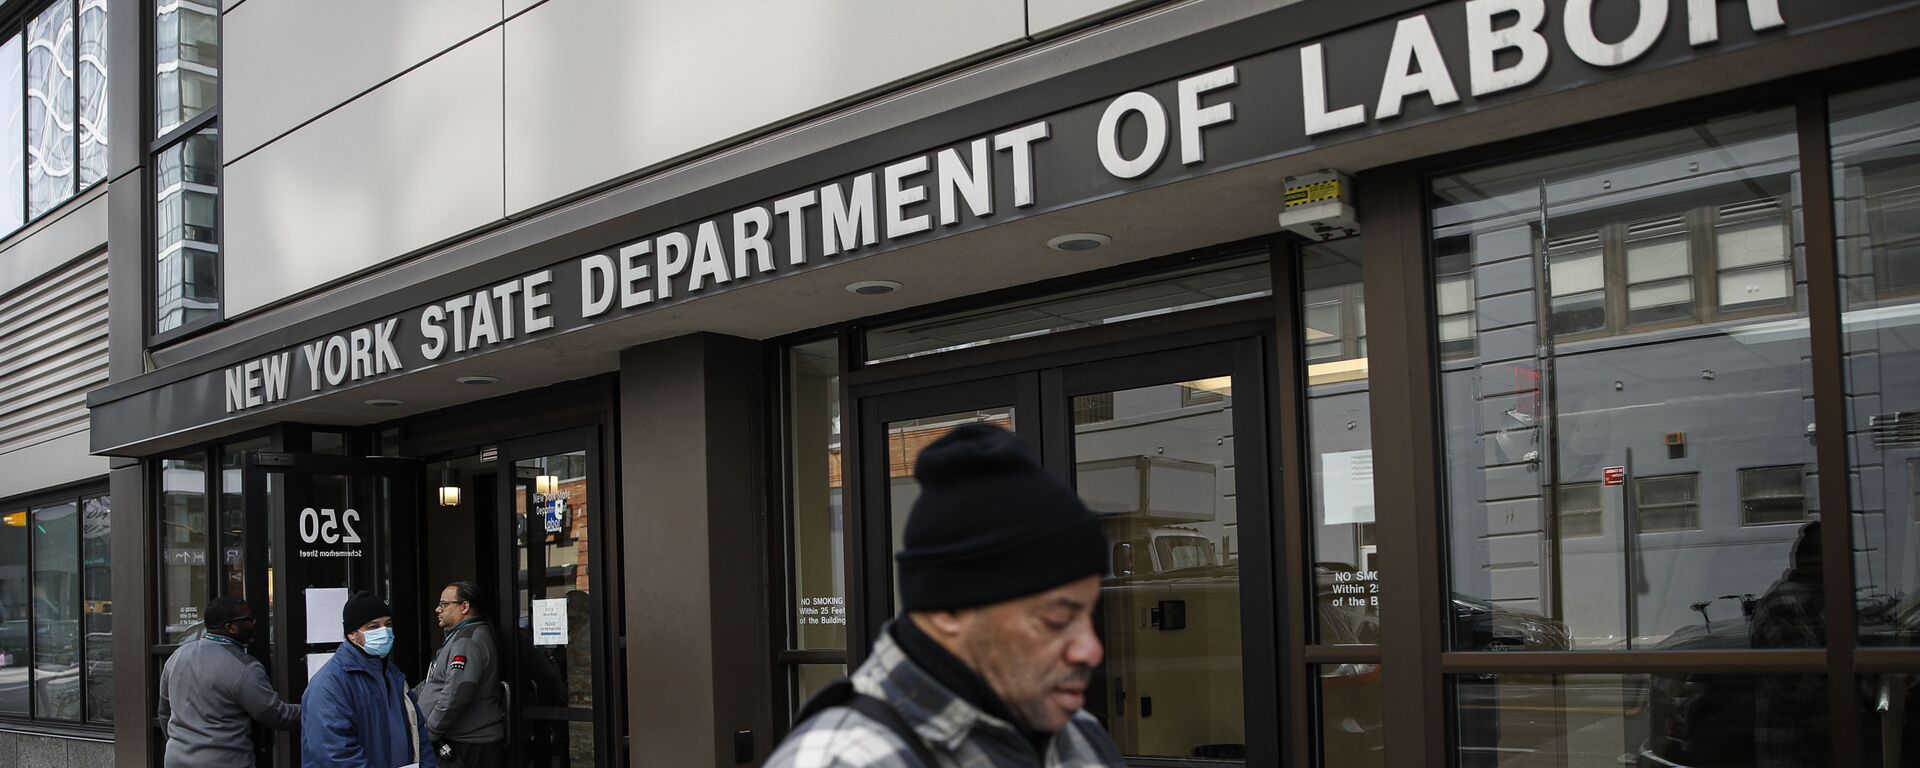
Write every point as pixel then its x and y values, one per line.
pixel 600 88
pixel 415 162
pixel 74 230
pixel 55 462
pixel 53 349
pixel 286 61
pixel 1046 15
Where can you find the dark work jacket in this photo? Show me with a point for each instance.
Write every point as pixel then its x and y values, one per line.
pixel 461 695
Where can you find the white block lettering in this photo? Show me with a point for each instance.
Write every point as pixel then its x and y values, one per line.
pixel 1313 94
pixel 1107 139
pixel 1484 44
pixel 1194 117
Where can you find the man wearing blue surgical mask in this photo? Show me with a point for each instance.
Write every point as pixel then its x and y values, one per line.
pixel 357 711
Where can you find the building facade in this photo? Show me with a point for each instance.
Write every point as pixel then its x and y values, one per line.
pixel 1462 383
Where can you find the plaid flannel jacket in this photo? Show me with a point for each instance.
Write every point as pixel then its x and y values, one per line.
pixel 955 732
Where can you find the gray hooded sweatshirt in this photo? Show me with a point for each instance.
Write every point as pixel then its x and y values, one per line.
pixel 210 692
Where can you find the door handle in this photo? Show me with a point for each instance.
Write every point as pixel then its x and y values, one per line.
pixel 1119 697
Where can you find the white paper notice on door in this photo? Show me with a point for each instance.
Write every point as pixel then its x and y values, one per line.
pixel 550 622
pixel 1346 481
pixel 324 606
pixel 314 662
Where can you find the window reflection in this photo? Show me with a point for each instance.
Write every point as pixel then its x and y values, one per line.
pixel 96 613
pixel 1345 559
pixel 1629 473
pixel 1156 463
pixel 50 158
pixel 1164 292
pixel 816 543
pixel 1889 719
pixel 13 136
pixel 183 547
pixel 1876 167
pixel 16 600
pixel 90 68
pixel 1352 732
pixel 186 61
pixel 1552 721
pixel 186 231
pixel 554 587
pixel 56 618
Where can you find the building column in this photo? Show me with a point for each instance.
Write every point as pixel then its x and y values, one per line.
pixel 133 621
pixel 693 522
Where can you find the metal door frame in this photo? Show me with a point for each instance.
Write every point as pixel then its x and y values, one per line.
pixel 603 715
pixel 268 515
pixel 1042 386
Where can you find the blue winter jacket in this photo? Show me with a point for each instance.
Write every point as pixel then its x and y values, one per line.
pixel 354 715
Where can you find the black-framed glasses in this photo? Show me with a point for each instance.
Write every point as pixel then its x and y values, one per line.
pixel 445 603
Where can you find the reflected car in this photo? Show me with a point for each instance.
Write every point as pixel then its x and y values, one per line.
pixel 1479 625
pixel 1709 720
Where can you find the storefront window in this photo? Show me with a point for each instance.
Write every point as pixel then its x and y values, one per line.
pixel 96 613
pixel 56 616
pixel 1601 492
pixel 1157 464
pixel 808 679
pixel 817 544
pixel 183 547
pixel 1550 721
pixel 233 517
pixel 1889 719
pixel 1352 730
pixel 1165 292
pixel 1876 179
pixel 1345 557
pixel 16 606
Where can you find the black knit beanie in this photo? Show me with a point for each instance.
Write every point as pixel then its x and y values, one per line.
pixel 992 525
pixel 362 608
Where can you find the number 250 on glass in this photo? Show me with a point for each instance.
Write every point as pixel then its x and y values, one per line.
pixel 323 526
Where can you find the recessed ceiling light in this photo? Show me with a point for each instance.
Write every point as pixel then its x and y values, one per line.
pixel 478 381
pixel 873 287
pixel 1079 241
pixel 382 402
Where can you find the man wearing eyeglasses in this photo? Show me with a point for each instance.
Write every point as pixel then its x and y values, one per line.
pixel 211 690
pixel 461 695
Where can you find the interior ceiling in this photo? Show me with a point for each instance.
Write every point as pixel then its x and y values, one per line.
pixel 1219 208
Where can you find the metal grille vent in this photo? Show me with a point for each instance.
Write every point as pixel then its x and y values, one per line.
pixel 53 349
pixel 1900 429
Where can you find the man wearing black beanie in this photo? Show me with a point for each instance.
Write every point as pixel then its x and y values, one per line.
pixel 357 710
pixel 999 571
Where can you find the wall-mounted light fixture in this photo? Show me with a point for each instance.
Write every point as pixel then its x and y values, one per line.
pixel 449 493
pixel 546 485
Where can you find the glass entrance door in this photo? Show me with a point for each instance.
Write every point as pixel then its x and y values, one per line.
pixel 331 524
pixel 1153 442
pixel 557 668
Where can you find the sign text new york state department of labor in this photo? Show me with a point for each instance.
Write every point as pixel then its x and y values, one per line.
pixel 1449 58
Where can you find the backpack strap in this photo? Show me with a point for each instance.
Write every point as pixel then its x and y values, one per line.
pixel 840 693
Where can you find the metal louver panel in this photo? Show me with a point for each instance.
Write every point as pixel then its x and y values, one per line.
pixel 53 348
pixel 1900 429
